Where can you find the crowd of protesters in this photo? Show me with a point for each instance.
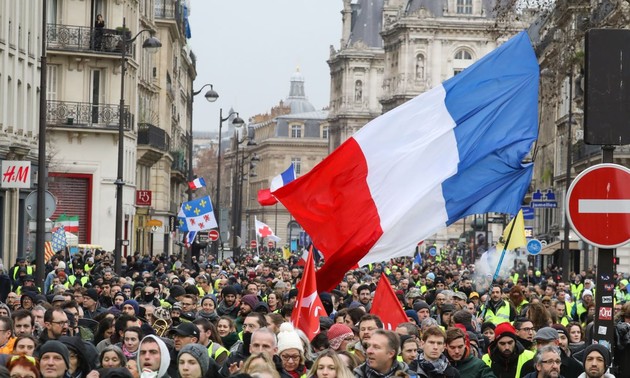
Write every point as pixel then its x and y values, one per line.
pixel 164 317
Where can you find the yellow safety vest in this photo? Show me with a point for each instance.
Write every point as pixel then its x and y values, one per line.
pixel 502 315
pixel 524 357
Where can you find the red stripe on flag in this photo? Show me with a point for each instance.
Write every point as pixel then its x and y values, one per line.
pixel 265 198
pixel 334 205
pixel 48 251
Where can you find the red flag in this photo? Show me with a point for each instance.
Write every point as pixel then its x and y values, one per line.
pixel 265 198
pixel 387 306
pixel 308 307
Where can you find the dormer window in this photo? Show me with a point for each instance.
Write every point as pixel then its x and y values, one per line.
pixel 464 7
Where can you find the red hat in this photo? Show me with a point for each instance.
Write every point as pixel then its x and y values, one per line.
pixel 337 333
pixel 504 329
pixel 415 271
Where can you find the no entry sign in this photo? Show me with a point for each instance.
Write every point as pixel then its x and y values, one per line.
pixel 598 205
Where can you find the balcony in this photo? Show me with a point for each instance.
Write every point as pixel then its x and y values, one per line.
pixel 153 143
pixel 179 165
pixel 585 155
pixel 170 12
pixel 87 39
pixel 85 115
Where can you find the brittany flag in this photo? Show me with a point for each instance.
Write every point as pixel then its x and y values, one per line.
pixel 197 183
pixel 453 151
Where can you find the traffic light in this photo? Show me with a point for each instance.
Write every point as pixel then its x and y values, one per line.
pixel 615 261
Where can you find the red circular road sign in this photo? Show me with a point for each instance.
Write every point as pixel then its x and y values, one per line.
pixel 253 244
pixel 213 235
pixel 270 244
pixel 598 205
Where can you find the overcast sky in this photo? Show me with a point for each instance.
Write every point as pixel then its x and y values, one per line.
pixel 248 49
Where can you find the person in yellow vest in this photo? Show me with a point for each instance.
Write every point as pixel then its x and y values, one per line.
pixel 561 313
pixel 496 310
pixel 506 356
pixel 577 286
pixel 20 263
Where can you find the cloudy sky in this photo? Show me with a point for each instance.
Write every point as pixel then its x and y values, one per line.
pixel 248 49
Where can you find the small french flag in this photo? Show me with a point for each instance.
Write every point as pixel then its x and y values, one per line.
pixel 197 183
pixel 283 178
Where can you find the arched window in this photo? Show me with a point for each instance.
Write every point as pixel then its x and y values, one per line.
pixel 463 55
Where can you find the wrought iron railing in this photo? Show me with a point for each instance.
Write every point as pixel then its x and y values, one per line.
pixel 83 38
pixel 180 163
pixel 582 151
pixel 86 115
pixel 150 135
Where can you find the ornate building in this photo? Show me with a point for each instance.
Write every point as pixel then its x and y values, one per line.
pixel 393 50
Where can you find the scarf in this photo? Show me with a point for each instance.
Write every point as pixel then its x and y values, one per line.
pixel 211 316
pixel 128 354
pixel 229 340
pixel 223 309
pixel 371 373
pixel 433 367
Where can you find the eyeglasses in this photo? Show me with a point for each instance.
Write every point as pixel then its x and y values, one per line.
pixel 552 362
pixel 61 322
pixel 295 357
pixel 527 329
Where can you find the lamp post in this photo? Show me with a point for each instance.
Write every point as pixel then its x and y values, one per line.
pixel 566 242
pixel 238 122
pixel 238 191
pixel 152 44
pixel 42 176
pixel 211 95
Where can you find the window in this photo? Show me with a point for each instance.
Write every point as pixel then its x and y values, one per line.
pixel 463 55
pixel 325 132
pixel 297 164
pixel 464 7
pixel 296 131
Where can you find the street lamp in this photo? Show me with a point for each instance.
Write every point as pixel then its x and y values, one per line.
pixel 211 95
pixel 238 191
pixel 238 122
pixel 152 44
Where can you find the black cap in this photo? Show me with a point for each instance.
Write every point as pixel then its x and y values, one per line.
pixel 28 277
pixel 185 329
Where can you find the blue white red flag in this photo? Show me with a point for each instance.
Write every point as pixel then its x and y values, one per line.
pixel 453 151
pixel 283 178
pixel 59 241
pixel 197 183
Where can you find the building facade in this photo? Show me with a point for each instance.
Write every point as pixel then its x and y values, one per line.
pixel 20 51
pixel 85 44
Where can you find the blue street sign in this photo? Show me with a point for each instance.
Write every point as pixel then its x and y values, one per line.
pixel 432 251
pixel 528 212
pixel 534 246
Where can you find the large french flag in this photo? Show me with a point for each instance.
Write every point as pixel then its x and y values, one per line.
pixel 453 151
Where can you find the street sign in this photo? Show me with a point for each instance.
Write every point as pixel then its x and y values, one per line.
pixel 528 212
pixel 270 244
pixel 534 246
pixel 598 205
pixel 213 235
pixel 50 204
pixel 253 244
pixel 545 200
pixel 432 251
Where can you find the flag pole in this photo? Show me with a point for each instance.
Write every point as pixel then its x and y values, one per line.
pixel 496 272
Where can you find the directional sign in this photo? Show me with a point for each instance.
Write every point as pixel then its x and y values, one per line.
pixel 432 251
pixel 598 205
pixel 213 235
pixel 253 244
pixel 534 246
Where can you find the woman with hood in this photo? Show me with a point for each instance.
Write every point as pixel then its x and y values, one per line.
pixel 153 358
pixel 208 308
pixel 82 359
pixel 460 357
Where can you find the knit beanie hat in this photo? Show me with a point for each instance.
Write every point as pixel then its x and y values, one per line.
pixel 337 334
pixel 134 304
pixel 199 353
pixel 92 293
pixel 251 300
pixel 599 349
pixel 177 290
pixel 54 346
pixel 228 290
pixel 504 329
pixel 288 338
pixel 420 305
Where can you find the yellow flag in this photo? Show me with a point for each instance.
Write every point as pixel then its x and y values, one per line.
pixel 515 232
pixel 286 252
